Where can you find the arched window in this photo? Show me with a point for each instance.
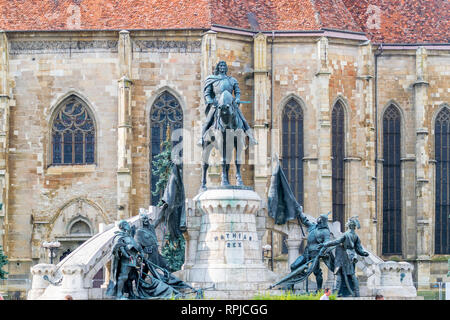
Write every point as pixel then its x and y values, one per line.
pixel 166 112
pixel 293 147
pixel 80 228
pixel 73 133
pixel 392 201
pixel 442 150
pixel 338 154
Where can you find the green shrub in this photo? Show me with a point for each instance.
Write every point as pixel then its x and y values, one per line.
pixel 173 251
pixel 429 294
pixel 289 295
pixel 3 262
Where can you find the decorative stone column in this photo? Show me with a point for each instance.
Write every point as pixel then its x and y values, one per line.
pixel 229 253
pixel 124 165
pixel 322 84
pixel 366 152
pixel 193 218
pixel 424 174
pixel 191 247
pixel 208 62
pixel 5 102
pixel 261 87
pixel 107 275
pixel 124 129
pixel 293 249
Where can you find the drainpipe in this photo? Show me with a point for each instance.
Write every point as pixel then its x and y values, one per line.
pixel 377 54
pixel 272 80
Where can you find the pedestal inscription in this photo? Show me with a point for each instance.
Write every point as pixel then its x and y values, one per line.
pixel 229 253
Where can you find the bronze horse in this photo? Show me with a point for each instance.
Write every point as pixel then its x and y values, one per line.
pixel 226 134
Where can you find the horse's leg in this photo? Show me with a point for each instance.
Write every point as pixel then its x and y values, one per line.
pixel 225 166
pixel 238 146
pixel 205 157
pixel 225 169
pixel 239 181
pixel 204 173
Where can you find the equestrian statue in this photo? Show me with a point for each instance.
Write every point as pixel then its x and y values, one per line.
pixel 225 127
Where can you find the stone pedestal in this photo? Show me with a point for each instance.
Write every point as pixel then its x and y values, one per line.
pixel 39 284
pixel 229 253
pixel 391 279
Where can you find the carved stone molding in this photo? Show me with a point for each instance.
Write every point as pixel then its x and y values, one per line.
pixel 62 46
pixel 74 269
pixel 43 269
pixel 166 46
pixel 396 266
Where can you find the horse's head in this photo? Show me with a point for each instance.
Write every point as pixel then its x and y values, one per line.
pixel 225 108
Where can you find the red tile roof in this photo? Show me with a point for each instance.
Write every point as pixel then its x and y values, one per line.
pixel 103 14
pixel 266 14
pixel 335 15
pixel 406 21
pixel 403 21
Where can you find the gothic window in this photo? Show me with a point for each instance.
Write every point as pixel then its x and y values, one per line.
pixel 293 147
pixel 166 112
pixel 80 228
pixel 73 133
pixel 337 154
pixel 392 201
pixel 442 150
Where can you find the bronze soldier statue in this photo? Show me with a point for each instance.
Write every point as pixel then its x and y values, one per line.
pixel 146 238
pixel 125 252
pixel 309 262
pixel 213 87
pixel 348 246
pixel 318 233
pixel 131 264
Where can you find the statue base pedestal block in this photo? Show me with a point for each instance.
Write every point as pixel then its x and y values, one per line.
pixel 229 253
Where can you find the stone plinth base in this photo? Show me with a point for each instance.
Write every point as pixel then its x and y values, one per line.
pixel 230 281
pixel 229 252
pixel 390 279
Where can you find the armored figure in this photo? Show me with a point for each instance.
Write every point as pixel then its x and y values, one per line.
pixel 213 87
pixel 146 238
pixel 318 233
pixel 348 246
pixel 126 253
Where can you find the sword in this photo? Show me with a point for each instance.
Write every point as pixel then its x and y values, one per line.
pixel 140 273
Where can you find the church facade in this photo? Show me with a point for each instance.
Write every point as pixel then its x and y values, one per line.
pixel 352 97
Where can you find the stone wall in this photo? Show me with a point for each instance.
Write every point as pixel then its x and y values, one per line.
pixel 43 73
pixel 119 76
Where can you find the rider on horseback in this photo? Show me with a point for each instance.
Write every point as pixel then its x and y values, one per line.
pixel 212 89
